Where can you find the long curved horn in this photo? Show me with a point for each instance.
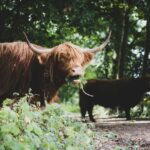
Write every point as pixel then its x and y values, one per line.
pixel 102 46
pixel 35 49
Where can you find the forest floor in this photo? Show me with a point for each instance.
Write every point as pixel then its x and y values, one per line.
pixel 117 133
pixel 120 134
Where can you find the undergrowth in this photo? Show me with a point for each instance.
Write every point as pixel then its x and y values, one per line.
pixel 26 127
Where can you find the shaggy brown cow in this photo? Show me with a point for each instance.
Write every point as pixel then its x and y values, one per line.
pixel 123 93
pixel 26 65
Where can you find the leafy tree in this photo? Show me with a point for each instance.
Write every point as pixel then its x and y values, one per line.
pixel 147 41
pixel 87 24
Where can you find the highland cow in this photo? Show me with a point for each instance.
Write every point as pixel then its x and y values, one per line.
pixel 44 70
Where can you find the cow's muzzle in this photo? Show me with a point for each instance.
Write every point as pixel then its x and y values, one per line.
pixel 74 75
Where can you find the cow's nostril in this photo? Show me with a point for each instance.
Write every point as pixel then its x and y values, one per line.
pixel 73 70
pixel 77 70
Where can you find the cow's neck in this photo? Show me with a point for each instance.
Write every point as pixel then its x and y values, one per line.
pixel 51 88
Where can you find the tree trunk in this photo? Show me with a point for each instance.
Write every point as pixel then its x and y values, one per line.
pixel 147 44
pixel 123 43
pixel 116 34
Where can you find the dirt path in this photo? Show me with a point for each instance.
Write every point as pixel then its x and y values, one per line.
pixel 118 134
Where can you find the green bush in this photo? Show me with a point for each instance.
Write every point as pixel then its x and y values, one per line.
pixel 28 128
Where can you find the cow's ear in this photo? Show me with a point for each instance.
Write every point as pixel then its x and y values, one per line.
pixel 87 57
pixel 42 58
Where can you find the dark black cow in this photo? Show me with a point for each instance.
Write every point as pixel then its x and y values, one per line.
pixel 123 93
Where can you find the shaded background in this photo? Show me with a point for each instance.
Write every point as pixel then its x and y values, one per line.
pixel 85 23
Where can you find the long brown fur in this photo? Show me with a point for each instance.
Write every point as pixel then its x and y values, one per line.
pixel 21 68
pixel 15 60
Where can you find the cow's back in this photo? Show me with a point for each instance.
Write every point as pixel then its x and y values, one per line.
pixel 112 93
pixel 15 60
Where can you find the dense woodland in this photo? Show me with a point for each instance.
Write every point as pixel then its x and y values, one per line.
pixel 85 23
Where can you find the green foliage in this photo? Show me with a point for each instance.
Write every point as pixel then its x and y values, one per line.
pixel 82 22
pixel 146 109
pixel 27 127
pixel 71 106
pixel 69 91
pixel 85 23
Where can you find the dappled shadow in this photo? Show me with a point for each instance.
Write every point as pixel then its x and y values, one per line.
pixel 114 132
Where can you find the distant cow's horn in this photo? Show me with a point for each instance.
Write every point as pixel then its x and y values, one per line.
pixel 102 46
pixel 35 49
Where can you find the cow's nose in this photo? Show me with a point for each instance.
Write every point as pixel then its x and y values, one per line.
pixel 77 71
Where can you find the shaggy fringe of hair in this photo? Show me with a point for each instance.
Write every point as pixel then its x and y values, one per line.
pixel 70 50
